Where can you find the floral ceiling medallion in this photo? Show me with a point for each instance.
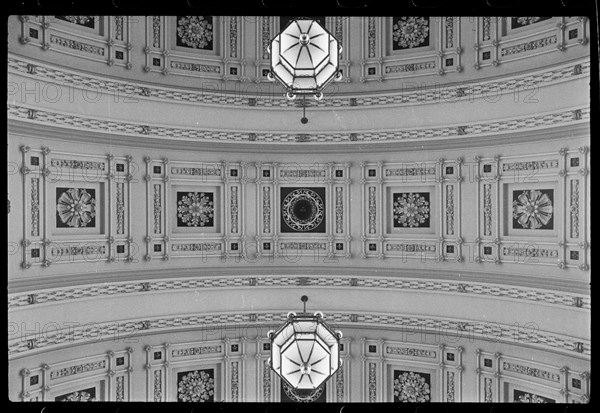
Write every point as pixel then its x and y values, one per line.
pixel 411 387
pixel 196 386
pixel 195 32
pixel 411 209
pixel 76 207
pixel 528 20
pixel 517 22
pixel 525 397
pixel 533 209
pixel 196 209
pixel 80 20
pixel 86 395
pixel 410 32
pixel 531 398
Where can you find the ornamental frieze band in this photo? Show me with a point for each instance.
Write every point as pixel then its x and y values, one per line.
pixel 196 247
pixel 411 247
pixel 529 252
pixel 195 351
pixel 413 352
pixel 303 173
pixel 531 371
pixel 82 368
pixel 410 171
pixel 533 165
pixel 74 164
pixel 196 171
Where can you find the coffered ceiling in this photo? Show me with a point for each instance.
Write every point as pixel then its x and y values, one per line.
pixel 229 53
pixel 157 180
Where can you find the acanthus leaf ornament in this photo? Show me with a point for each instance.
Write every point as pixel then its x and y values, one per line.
pixel 411 210
pixel 533 209
pixel 195 209
pixel 76 207
pixel 410 32
pixel 196 386
pixel 411 387
pixel 195 31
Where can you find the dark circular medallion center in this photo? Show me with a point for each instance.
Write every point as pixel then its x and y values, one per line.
pixel 303 209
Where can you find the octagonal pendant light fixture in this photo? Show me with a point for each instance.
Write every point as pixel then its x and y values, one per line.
pixel 305 353
pixel 304 58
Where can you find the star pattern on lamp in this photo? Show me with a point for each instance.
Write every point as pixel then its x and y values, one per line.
pixel 306 368
pixel 305 352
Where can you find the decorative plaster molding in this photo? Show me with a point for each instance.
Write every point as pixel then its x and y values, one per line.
pixel 81 368
pixel 195 351
pixel 487 209
pixel 266 384
pixel 574 208
pixel 528 46
pixel 108 289
pixel 105 331
pixel 488 392
pixel 531 371
pixel 372 382
pixel 196 135
pixel 411 352
pixel 480 89
pixel 77 45
pixel 372 210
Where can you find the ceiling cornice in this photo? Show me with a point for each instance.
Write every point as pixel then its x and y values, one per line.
pixel 407 96
pixel 554 131
pixel 544 340
pixel 40 283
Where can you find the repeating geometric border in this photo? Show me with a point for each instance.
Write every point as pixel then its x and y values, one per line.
pixel 24 346
pixel 477 289
pixel 579 115
pixel 471 90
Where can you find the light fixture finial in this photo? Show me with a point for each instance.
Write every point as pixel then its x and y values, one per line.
pixel 304 299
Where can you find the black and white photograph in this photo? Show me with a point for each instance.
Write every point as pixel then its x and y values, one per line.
pixel 329 209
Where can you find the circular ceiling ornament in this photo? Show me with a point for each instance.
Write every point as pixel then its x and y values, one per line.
pixel 412 387
pixel 532 209
pixel 76 207
pixel 411 210
pixel 303 210
pixel 194 31
pixel 410 32
pixel 196 386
